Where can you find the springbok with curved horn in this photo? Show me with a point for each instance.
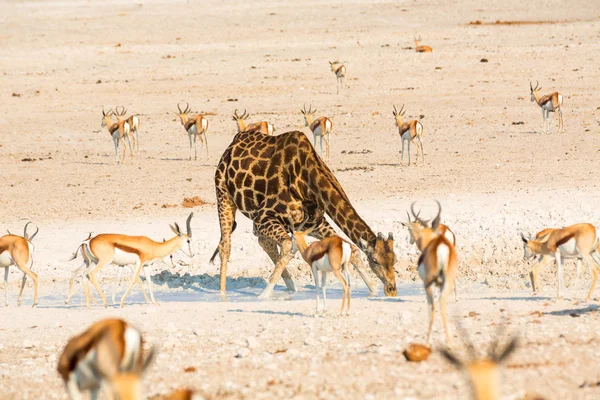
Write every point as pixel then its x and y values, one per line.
pixel 437 266
pixel 483 373
pixel 420 48
pixel 339 70
pixel 319 127
pixel 134 126
pixel 120 249
pixel 549 103
pixel 88 260
pixel 110 354
pixel 118 131
pixel 331 254
pixel 409 131
pixel 18 250
pixel 575 241
pixel 263 126
pixel 421 233
pixel 196 126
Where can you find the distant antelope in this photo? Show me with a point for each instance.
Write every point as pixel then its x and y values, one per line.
pixel 422 234
pixel 263 126
pixel 421 49
pixel 124 250
pixel 196 126
pixel 548 103
pixel 109 354
pixel 320 127
pixel 483 373
pixel 18 250
pixel 437 266
pixel 118 131
pixel 331 254
pixel 134 125
pixel 339 70
pixel 409 131
pixel 575 241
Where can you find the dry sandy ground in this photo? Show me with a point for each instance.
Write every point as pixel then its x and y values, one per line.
pixel 64 60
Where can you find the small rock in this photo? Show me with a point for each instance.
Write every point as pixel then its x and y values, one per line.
pixel 27 344
pixel 243 353
pixel 483 60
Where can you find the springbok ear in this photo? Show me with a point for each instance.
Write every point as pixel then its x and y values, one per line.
pixel 178 228
pixel 508 350
pixel 451 358
pixel 149 359
pixel 173 229
pixel 524 238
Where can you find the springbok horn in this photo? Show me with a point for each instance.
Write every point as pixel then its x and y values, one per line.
pixel 25 230
pixel 179 108
pixel 34 233
pixel 395 111
pixel 189 225
pixel 436 220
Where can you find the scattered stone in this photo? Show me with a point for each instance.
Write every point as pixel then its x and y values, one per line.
pixel 243 353
pixel 191 202
pixel 417 352
pixel 27 344
pixel 483 60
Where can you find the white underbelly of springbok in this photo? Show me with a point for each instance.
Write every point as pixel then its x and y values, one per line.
pixel 569 249
pixel 123 258
pixel 322 264
pixel 193 130
pixel 5 259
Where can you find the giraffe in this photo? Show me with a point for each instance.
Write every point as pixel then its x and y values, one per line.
pixel 279 181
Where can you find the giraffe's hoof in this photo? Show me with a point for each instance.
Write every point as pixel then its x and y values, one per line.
pixel 34 305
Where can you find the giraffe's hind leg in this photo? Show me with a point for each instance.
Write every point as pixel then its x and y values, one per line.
pixel 274 230
pixel 270 247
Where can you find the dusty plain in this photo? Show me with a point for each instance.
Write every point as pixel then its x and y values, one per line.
pixel 485 160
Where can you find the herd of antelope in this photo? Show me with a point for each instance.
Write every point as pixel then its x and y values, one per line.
pixel 110 355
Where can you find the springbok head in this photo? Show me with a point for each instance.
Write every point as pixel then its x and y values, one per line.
pixel 185 238
pixel 420 229
pixel 483 372
pixel 534 90
pixel 308 115
pixel 334 65
pixel 241 120
pixel 106 117
pixel 183 114
pixel 399 115
pixel 417 40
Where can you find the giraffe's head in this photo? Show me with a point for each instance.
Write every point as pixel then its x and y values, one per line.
pixel 399 115
pixel 382 259
pixel 534 90
pixel 483 373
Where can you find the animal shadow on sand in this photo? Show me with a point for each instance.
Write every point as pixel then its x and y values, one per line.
pixel 205 282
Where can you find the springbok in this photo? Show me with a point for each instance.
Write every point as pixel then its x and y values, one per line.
pixel 437 266
pixel 319 127
pixel 118 131
pixel 422 234
pixel 409 131
pixel 548 103
pixel 88 259
pixel 109 354
pixel 120 249
pixel 196 127
pixel 331 254
pixel 18 250
pixel 575 241
pixel 339 70
pixel 263 126
pixel 483 373
pixel 134 126
pixel 421 49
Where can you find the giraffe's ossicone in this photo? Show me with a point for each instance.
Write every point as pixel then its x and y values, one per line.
pixel 280 180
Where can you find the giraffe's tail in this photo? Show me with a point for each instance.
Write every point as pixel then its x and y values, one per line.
pixel 212 259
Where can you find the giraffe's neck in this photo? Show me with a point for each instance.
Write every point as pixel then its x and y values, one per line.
pixel 332 198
